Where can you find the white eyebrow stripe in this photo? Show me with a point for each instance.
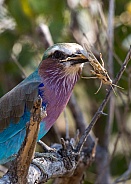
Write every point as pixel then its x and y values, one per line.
pixel 68 48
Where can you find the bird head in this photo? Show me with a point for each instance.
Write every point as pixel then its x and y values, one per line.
pixel 63 59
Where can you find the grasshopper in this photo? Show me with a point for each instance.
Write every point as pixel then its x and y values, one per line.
pixel 99 71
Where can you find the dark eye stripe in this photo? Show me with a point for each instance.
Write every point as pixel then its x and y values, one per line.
pixel 58 55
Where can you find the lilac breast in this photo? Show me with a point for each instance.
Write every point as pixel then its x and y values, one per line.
pixel 57 96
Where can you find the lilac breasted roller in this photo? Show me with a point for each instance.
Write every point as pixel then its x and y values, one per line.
pixel 53 80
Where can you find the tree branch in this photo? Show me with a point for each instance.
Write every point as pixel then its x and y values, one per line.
pixel 103 104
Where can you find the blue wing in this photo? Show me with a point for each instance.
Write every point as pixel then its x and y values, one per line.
pixel 15 113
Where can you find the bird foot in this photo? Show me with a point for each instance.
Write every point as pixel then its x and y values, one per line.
pixel 45 147
pixel 50 156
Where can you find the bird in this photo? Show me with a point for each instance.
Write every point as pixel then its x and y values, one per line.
pixel 53 81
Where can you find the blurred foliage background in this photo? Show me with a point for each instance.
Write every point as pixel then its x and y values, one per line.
pixel 28 27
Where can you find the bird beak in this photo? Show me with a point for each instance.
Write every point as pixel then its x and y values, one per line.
pixel 75 59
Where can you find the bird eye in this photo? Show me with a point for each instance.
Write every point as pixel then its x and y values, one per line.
pixel 58 55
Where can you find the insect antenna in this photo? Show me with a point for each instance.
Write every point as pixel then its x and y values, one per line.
pixel 88 77
pixel 93 78
pixel 99 88
pixel 117 86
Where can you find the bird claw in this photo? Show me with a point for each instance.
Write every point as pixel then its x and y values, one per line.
pixel 45 147
pixel 44 156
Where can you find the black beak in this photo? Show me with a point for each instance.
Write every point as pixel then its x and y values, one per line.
pixel 75 59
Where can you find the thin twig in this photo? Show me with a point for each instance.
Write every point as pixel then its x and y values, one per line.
pixel 103 104
pixel 115 146
pixel 45 35
pixel 18 65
